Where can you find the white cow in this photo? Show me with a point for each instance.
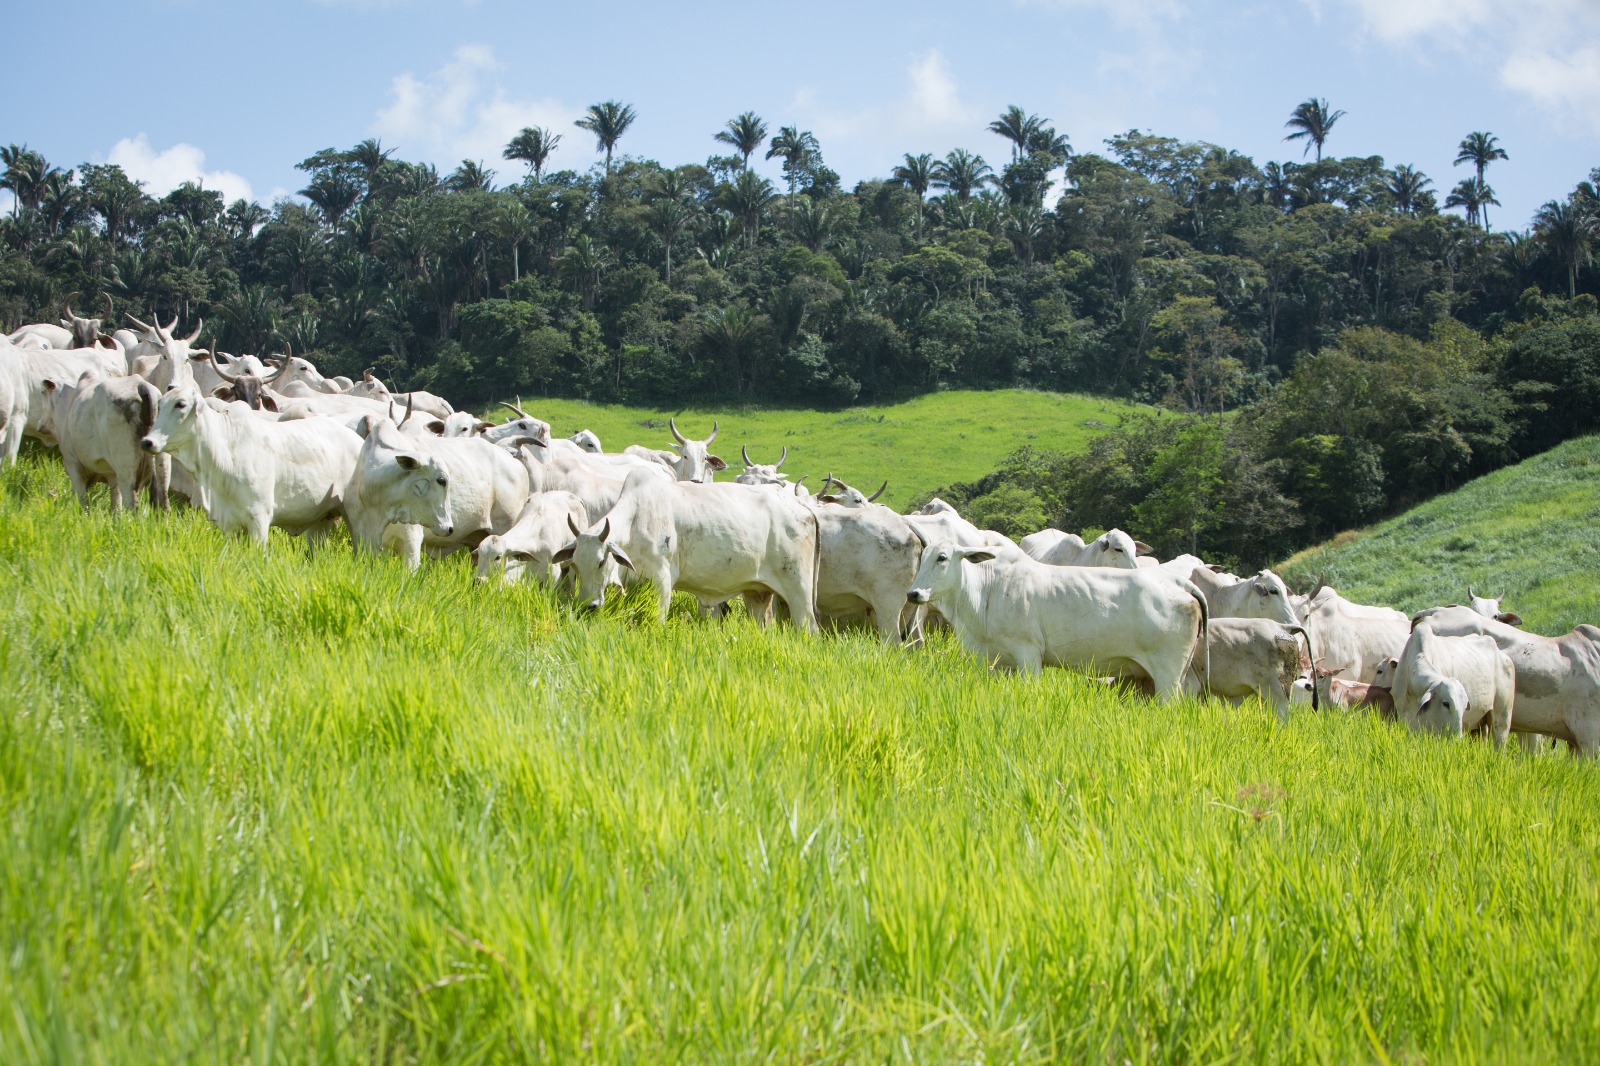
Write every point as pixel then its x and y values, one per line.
pixel 1353 638
pixel 1182 566
pixel 1256 657
pixel 489 486
pixel 1489 607
pixel 1262 596
pixel 688 459
pixel 835 491
pixel 1455 685
pixel 527 548
pixel 714 541
pixel 98 425
pixel 395 485
pixel 869 559
pixel 14 398
pixel 1023 613
pixel 586 440
pixel 253 473
pixel 1113 548
pixel 370 387
pixel 1558 678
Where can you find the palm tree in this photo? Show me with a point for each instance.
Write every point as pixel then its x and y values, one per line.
pixel 1406 185
pixel 811 221
pixel 608 122
pixel 1480 149
pixel 333 192
pixel 1312 122
pixel 1024 225
pixel 1567 230
pixel 962 173
pixel 1047 141
pixel 1474 195
pixel 25 174
pixel 517 224
pixel 1018 128
pixel 471 177
pixel 796 146
pixel 582 263
pixel 748 197
pixel 533 146
pixel 745 133
pixel 916 174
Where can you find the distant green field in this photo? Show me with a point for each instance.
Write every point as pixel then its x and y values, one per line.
pixel 277 807
pixel 918 446
pixel 1531 531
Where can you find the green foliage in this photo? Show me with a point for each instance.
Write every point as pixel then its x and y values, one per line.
pixel 347 813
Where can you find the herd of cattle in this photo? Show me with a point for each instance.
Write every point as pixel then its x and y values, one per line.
pixel 259 444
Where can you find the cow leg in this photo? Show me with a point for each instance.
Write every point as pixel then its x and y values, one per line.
pixel 1028 660
pixel 161 481
pixel 1167 682
pixel 80 485
pixel 406 542
pixel 1585 742
pixel 1532 743
pixel 13 440
pixel 663 584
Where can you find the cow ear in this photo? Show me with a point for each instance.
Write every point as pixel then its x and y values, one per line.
pixel 1426 699
pixel 435 427
pixel 269 404
pixel 483 427
pixel 620 555
pixel 1510 618
pixel 1142 548
pixel 51 385
pixel 223 392
pixel 978 556
pixel 716 464
pixel 564 555
pixel 407 462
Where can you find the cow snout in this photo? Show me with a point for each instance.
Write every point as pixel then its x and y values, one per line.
pixel 447 531
pixel 917 596
pixel 147 444
pixel 594 604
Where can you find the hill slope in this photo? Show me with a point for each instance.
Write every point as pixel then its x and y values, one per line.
pixel 1531 531
pixel 919 446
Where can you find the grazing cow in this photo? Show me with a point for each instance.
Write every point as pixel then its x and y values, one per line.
pixel 1455 685
pixel 1489 607
pixel 869 559
pixel 1023 613
pixel 688 459
pixel 714 541
pixel 1113 548
pixel 1256 657
pixel 1261 596
pixel 1558 678
pixel 395 486
pixel 528 547
pixel 254 474
pixel 1352 637
pixel 98 424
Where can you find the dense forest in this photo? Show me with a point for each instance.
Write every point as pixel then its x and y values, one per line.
pixel 1340 342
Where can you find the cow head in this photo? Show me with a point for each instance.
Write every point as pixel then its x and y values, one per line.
pixel 1383 674
pixel 175 355
pixel 591 553
pixel 586 440
pixel 369 387
pixel 1442 709
pixel 1269 598
pixel 1116 549
pixel 694 463
pixel 524 425
pixel 846 496
pixel 937 506
pixel 85 331
pixel 176 416
pixel 1489 607
pixel 292 370
pixel 247 388
pixel 400 484
pixel 939 572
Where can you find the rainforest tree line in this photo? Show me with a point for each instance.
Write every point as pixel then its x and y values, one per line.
pixel 1365 345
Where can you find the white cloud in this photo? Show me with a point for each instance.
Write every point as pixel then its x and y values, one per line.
pixel 461 111
pixel 931 111
pixel 1547 50
pixel 163 171
pixel 1131 14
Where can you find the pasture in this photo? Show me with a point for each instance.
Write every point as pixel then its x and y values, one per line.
pixel 1531 531
pixel 285 807
pixel 919 445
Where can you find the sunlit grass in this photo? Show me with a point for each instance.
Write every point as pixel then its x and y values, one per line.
pixel 291 807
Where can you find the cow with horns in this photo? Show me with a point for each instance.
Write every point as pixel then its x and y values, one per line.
pixel 688 460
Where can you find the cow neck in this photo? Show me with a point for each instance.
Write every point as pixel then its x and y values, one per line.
pixel 968 613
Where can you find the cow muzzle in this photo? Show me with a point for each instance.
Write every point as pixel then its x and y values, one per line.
pixel 917 596
pixel 149 445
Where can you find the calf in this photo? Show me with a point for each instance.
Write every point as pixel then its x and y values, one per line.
pixel 528 547
pixel 1454 685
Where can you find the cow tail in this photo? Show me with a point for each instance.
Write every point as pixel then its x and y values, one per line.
pixel 1205 629
pixel 1311 653
pixel 816 563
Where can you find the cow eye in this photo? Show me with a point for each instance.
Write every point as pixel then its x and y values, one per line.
pixel 441 481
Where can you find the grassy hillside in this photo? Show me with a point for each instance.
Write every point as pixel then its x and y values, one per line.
pixel 920 445
pixel 1530 530
pixel 284 808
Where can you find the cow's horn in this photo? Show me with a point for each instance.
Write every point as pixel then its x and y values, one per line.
pixel 781 458
pixel 366 375
pixel 605 529
pixel 746 453
pixel 713 431
pixel 576 532
pixel 283 364
pixel 191 338
pixel 171 326
pixel 147 327
pixel 221 370
pixel 825 483
pixel 66 305
pixel 111 314
pixel 675 434
pixel 1470 594
pixel 511 407
pixel 802 481
pixel 410 399
pixel 875 495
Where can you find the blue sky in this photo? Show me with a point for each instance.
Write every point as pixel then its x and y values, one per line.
pixel 238 92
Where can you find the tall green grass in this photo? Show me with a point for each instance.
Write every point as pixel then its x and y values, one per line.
pixel 292 807
pixel 918 446
pixel 1531 531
